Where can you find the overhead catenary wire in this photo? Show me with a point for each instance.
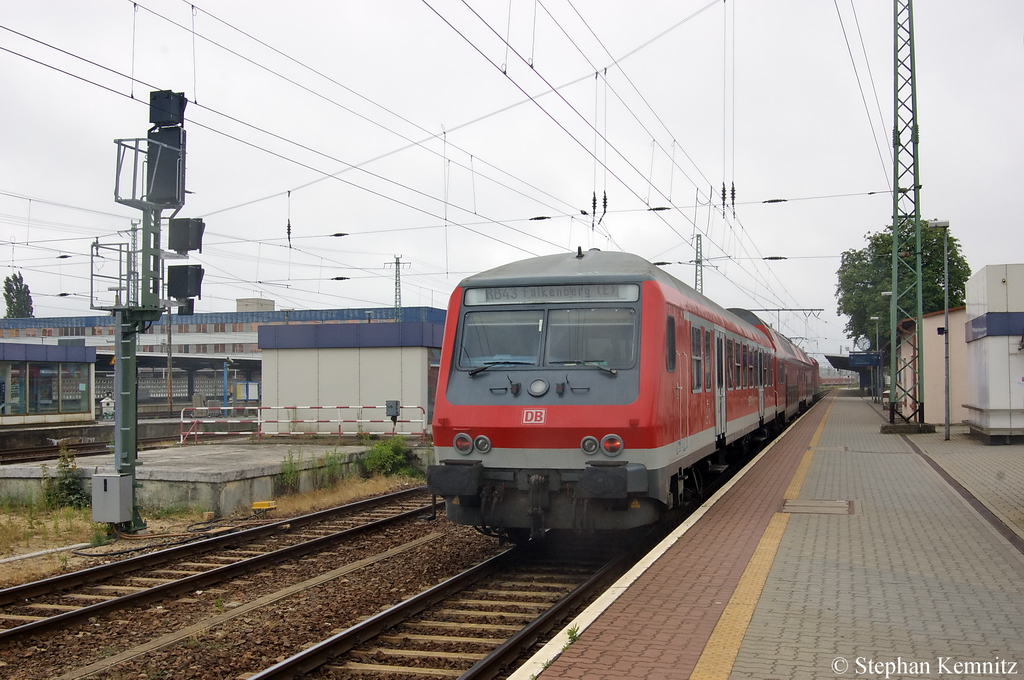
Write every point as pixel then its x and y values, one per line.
pixel 604 81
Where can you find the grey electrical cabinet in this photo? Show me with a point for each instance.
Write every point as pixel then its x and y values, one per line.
pixel 111 497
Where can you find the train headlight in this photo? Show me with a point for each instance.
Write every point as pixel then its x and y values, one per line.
pixel 590 445
pixel 482 444
pixel 463 443
pixel 539 387
pixel 612 445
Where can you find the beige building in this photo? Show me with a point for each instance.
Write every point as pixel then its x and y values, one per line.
pixel 935 370
pixel 933 346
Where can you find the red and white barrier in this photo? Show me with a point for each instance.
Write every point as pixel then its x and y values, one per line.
pixel 192 422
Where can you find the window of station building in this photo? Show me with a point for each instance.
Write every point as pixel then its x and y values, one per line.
pixel 43 388
pixel 201 349
pixel 47 332
pixel 219 328
pixel 670 344
pixel 12 387
pixel 218 349
pixel 707 360
pixel 238 347
pixel 695 357
pixel 74 388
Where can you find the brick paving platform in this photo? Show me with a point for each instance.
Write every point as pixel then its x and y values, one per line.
pixel 841 552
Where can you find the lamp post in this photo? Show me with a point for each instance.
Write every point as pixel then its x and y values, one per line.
pixel 892 378
pixel 878 368
pixel 944 226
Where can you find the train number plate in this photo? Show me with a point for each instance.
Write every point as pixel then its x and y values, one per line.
pixel 534 416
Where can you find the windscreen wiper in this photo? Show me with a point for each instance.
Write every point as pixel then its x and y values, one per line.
pixel 587 362
pixel 489 364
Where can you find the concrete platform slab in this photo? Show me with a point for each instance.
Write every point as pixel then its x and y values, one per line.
pixel 219 477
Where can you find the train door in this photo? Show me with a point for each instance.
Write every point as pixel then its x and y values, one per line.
pixel 677 376
pixel 760 385
pixel 720 419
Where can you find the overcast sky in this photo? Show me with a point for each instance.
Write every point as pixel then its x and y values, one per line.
pixel 435 130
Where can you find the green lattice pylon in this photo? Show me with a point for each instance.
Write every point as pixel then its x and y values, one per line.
pixel 906 393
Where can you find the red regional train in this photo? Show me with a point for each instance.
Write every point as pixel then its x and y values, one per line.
pixel 593 391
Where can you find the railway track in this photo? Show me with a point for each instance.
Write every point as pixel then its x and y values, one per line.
pixel 35 454
pixel 476 624
pixel 218 556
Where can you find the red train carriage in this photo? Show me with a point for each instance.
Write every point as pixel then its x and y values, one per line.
pixel 591 391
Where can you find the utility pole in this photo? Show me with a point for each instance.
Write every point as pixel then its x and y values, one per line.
pixel 398 264
pixel 698 274
pixel 906 300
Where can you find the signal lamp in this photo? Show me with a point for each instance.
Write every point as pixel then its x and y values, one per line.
pixel 590 445
pixel 482 444
pixel 612 444
pixel 463 443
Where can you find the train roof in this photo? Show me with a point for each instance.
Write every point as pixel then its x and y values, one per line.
pixel 594 266
pixel 781 343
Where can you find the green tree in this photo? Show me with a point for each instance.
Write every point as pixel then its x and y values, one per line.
pixel 864 274
pixel 18 297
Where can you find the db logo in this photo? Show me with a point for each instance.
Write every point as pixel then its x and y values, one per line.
pixel 533 416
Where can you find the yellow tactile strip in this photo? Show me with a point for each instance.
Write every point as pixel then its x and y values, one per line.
pixel 724 644
pixel 720 652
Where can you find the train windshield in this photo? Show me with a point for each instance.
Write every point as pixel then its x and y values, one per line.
pixel 502 337
pixel 604 337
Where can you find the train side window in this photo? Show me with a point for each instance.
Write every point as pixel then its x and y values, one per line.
pixel 719 363
pixel 695 360
pixel 670 344
pixel 737 361
pixel 708 359
pixel 729 364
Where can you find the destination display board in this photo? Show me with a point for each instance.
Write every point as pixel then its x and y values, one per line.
pixel 577 292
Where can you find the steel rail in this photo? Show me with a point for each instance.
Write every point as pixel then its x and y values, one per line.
pixel 510 650
pixel 321 653
pixel 32 454
pixel 189 583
